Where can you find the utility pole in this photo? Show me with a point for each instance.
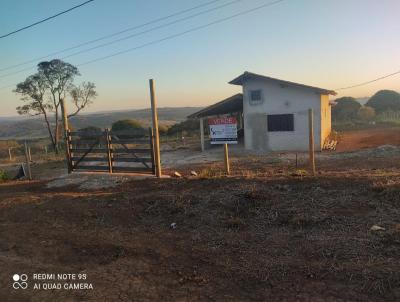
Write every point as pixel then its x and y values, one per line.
pixel 157 158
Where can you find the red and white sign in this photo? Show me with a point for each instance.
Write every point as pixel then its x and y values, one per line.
pixel 223 130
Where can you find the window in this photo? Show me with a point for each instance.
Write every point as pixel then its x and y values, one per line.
pixel 255 97
pixel 280 122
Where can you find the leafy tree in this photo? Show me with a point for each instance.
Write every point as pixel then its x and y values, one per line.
pixel 346 108
pixel 43 91
pixel 366 113
pixel 127 125
pixel 385 100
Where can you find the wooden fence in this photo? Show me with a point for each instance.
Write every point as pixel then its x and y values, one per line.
pixel 111 151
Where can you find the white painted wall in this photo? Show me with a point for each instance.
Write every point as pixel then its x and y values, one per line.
pixel 281 100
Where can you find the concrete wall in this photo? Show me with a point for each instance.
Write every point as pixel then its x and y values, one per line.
pixel 326 117
pixel 279 99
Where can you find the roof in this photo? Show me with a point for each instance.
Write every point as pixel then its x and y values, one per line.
pixel 229 105
pixel 249 75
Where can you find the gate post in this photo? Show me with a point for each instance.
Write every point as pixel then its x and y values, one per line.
pixel 155 129
pixel 109 150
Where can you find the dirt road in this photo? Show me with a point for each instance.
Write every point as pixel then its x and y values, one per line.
pixel 274 236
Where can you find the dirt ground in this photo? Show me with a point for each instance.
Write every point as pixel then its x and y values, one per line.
pixel 270 232
pixel 368 138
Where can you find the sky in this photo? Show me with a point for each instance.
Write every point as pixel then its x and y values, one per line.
pixel 324 43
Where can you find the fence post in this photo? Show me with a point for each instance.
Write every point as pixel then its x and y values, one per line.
pixel 202 133
pixel 155 129
pixel 153 164
pixel 109 151
pixel 28 164
pixel 311 140
pixel 9 154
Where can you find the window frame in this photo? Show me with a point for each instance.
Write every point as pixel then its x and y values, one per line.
pixel 253 102
pixel 280 126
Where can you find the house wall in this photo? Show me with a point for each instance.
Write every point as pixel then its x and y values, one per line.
pixel 281 100
pixel 326 117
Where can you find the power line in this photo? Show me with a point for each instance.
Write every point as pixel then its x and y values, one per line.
pixel 181 33
pixel 184 32
pixel 46 19
pixel 113 34
pixel 130 36
pixel 371 81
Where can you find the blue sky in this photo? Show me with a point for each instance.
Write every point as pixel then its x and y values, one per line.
pixel 324 43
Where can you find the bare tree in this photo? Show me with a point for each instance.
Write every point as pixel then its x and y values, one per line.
pixel 44 91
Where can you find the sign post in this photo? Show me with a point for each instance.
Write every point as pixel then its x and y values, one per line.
pixel 223 131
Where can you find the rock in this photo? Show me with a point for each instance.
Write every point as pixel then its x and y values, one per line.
pixel 177 174
pixel 173 225
pixel 193 173
pixel 377 228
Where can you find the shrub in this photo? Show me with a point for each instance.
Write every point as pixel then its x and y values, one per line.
pixel 4 176
pixel 366 113
pixel 126 125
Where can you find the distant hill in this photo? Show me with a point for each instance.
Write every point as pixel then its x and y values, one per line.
pixel 363 100
pixel 18 128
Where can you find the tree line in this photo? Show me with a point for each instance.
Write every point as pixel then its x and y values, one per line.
pixel 348 109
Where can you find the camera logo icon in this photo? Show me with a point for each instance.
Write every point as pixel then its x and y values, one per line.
pixel 20 281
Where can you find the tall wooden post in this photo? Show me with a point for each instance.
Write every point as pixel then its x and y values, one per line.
pixel 202 134
pixel 226 160
pixel 66 134
pixel 109 151
pixel 155 129
pixel 311 140
pixel 28 163
pixel 9 154
pixel 29 154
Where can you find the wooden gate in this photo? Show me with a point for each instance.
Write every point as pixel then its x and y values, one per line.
pixel 111 151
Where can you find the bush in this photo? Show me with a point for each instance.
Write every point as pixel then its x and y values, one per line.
pixel 366 113
pixel 162 129
pixel 91 130
pixel 4 176
pixel 188 126
pixel 127 125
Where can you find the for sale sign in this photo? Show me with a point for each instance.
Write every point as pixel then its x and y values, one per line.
pixel 223 130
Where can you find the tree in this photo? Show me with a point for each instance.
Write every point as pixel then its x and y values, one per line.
pixel 366 113
pixel 127 125
pixel 82 96
pixel 44 90
pixel 346 108
pixel 385 100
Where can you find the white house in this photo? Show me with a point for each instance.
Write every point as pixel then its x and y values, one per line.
pixel 274 113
